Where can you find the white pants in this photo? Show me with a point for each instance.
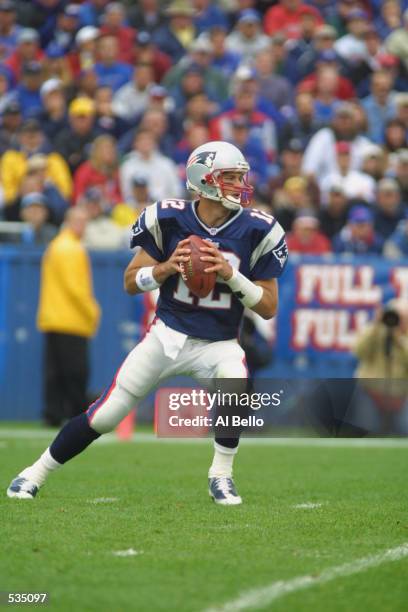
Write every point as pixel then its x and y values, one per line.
pixel 161 354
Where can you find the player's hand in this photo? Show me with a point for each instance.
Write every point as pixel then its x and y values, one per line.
pixel 217 261
pixel 180 255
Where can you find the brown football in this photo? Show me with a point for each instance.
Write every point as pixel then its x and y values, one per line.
pixel 199 282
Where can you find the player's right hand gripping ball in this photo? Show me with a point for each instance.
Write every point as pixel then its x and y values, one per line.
pixel 199 282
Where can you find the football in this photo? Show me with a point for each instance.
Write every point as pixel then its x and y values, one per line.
pixel 199 282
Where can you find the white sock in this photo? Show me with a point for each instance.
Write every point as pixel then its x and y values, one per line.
pixel 38 472
pixel 223 461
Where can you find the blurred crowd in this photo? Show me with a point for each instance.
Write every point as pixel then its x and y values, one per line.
pixel 102 102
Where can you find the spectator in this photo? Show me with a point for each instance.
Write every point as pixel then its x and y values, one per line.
pixel 175 37
pixel 247 38
pixel 101 233
pixel 290 201
pixel 401 175
pixel 344 87
pixel 53 116
pixel 28 89
pixel 83 56
pixel 146 52
pixel 36 180
pixel 302 124
pixel 396 247
pixel 74 141
pixel 262 127
pixel 108 69
pixel 114 24
pixel 401 103
pixel 10 125
pixel 380 399
pixel 389 18
pixel 374 162
pixel 388 211
pixel 86 84
pixel 146 16
pixel 356 184
pixel 379 106
pixel 41 16
pixel 305 237
pixel 320 155
pixel 106 120
pixel 397 42
pixel 198 60
pixel 100 171
pixel 67 24
pixel 343 9
pixel 56 64
pixel 302 46
pixel 286 17
pixel 333 216
pixel 274 88
pixel 132 98
pixel 358 236
pixel 325 101
pixel 195 135
pixel 13 166
pixel 395 139
pixel 35 212
pixel 298 65
pixel 291 166
pixel 9 31
pixel 68 316
pixel 27 50
pixel 223 60
pixel 155 120
pixel 351 47
pixel 252 150
pixel 126 213
pixel 208 15
pixel 145 161
pixel 92 11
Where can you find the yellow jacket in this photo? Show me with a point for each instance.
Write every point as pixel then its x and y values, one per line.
pixel 13 169
pixel 67 304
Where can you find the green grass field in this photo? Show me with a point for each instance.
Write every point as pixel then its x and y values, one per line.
pixel 193 555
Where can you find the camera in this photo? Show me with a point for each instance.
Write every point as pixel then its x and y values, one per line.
pixel 390 317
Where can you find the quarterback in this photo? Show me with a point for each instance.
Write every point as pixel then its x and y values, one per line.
pixel 190 336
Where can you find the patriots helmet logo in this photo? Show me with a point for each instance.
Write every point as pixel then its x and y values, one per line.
pixel 205 157
pixel 281 253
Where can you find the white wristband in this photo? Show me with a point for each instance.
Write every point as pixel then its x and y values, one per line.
pixel 145 279
pixel 245 290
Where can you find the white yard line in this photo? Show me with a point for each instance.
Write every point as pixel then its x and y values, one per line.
pixel 264 596
pixel 103 500
pixel 49 434
pixel 307 506
pixel 130 552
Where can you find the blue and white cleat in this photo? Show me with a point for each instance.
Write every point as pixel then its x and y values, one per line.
pixel 22 488
pixel 223 491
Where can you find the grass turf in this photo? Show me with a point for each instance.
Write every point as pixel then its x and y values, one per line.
pixel 194 554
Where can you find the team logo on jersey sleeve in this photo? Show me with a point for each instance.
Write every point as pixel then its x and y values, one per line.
pixel 137 228
pixel 205 157
pixel 281 253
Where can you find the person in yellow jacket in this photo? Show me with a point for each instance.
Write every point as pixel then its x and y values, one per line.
pixel 68 315
pixel 13 166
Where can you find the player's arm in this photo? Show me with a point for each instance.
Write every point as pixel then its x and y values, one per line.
pixel 144 273
pixel 261 296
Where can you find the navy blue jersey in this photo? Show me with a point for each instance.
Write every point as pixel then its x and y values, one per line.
pixel 251 240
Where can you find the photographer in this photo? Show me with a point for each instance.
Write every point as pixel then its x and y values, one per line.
pixel 380 404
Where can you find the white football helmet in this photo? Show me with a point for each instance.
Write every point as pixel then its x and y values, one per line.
pixel 204 174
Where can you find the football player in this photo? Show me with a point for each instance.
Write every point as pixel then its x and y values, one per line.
pixel 190 336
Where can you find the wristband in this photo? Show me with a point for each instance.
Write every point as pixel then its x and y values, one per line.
pixel 145 280
pixel 245 290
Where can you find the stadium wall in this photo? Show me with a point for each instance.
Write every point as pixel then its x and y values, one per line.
pixel 324 302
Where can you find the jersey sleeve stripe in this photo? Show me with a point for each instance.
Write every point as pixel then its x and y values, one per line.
pixel 152 225
pixel 268 243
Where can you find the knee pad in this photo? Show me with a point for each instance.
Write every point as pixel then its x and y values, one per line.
pixel 109 410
